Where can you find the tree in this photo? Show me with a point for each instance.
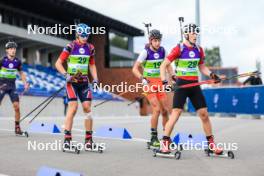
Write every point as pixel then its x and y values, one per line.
pixel 213 57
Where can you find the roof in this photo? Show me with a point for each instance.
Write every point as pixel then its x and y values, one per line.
pixel 66 12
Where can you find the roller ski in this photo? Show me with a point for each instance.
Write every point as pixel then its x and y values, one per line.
pixel 90 146
pixel 19 132
pixel 213 151
pixel 166 152
pixel 68 146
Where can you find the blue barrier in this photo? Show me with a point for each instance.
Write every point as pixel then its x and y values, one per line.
pixel 190 139
pixel 43 128
pixel 47 171
pixel 113 132
pixel 242 100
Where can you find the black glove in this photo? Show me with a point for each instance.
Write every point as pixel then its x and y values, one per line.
pixel 174 78
pixel 215 77
pixel 165 82
pixel 144 81
pixel 68 77
pixel 95 85
pixel 167 87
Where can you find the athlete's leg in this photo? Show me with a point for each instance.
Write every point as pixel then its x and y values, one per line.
pixel 198 101
pixel 71 111
pixel 197 98
pixel 175 114
pixel 155 105
pixel 85 96
pixel 179 99
pixel 17 110
pixel 164 104
pixel 207 126
pixel 13 95
pixel 88 122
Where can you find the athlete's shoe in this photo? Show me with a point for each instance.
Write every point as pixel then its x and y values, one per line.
pixel 154 141
pixel 165 146
pixel 18 130
pixel 212 146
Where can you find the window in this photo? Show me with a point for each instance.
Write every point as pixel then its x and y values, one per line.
pixel 120 50
pixel 118 40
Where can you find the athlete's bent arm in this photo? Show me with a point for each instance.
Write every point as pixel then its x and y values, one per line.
pixel 93 71
pixel 59 66
pixel 205 70
pixel 23 77
pixel 136 70
pixel 163 68
pixel 170 71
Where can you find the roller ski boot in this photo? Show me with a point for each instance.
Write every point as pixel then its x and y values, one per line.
pixel 89 145
pixel 19 132
pixel 154 143
pixel 68 145
pixel 166 151
pixel 214 151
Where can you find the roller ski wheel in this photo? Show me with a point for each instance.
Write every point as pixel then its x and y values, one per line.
pixel 148 145
pixel 228 154
pixel 176 154
pixel 231 155
pixel 73 149
pixel 180 147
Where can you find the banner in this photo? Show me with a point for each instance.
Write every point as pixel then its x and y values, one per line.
pixel 242 100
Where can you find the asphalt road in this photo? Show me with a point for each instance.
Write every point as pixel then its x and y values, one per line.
pixel 130 157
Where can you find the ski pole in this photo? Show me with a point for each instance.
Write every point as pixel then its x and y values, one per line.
pixel 42 109
pixel 212 81
pixel 105 101
pixel 54 94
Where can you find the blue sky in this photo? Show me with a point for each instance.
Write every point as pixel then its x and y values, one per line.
pixel 236 26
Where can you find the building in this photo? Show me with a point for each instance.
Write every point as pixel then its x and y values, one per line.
pixel 114 48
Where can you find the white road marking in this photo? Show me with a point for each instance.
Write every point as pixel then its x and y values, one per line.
pixel 81 135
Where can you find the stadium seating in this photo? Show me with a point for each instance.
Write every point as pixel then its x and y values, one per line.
pixel 44 81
